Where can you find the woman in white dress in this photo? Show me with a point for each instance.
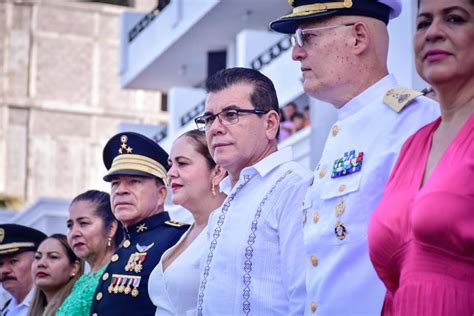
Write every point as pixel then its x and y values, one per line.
pixel 194 180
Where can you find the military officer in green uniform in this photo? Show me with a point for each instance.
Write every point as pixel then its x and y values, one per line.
pixel 137 171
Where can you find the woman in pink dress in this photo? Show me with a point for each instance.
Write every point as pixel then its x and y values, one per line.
pixel 421 236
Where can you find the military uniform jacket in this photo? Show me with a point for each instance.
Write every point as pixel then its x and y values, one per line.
pixel 360 151
pixel 123 288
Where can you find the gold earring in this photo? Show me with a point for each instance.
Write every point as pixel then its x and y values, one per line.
pixel 109 241
pixel 213 189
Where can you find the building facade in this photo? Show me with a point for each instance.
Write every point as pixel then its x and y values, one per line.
pixel 60 96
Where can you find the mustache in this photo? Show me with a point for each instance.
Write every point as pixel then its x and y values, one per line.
pixel 6 278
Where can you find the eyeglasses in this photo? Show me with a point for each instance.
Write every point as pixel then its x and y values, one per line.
pixel 301 36
pixel 226 117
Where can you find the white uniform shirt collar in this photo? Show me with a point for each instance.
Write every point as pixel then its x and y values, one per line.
pixel 369 95
pixel 263 167
pixel 23 307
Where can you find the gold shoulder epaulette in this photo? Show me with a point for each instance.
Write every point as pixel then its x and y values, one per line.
pixel 174 223
pixel 398 98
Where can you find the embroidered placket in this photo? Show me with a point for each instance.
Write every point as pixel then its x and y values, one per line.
pixel 247 278
pixel 215 237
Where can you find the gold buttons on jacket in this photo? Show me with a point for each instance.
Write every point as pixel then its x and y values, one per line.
pixel 114 258
pixel 342 188
pixel 105 276
pixel 335 130
pixel 316 217
pixel 314 307
pixel 314 260
pixel 322 172
pixel 126 243
pixel 99 296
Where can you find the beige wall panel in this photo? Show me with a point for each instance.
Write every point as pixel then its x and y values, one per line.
pixel 18 64
pixel 109 28
pixel 63 20
pixel 16 152
pixel 21 16
pixel 64 70
pixel 111 96
pixel 57 124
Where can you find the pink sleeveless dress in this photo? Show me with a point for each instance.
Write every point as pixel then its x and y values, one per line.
pixel 421 238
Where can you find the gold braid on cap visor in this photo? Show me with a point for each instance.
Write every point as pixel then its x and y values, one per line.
pixel 15 246
pixel 318 8
pixel 140 163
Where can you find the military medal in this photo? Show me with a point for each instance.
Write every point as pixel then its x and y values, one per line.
pixel 340 230
pixel 135 284
pixel 112 284
pixel 348 164
pixel 116 287
pixel 138 267
pixel 135 262
pixel 340 208
pixel 122 285
pixel 128 288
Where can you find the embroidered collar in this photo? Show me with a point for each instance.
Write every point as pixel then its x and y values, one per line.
pixel 147 224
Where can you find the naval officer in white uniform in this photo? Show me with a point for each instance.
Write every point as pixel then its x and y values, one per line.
pixel 342 48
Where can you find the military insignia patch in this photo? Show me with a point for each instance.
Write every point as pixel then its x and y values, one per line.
pixel 141 228
pixel 400 97
pixel 141 248
pixel 348 164
pixel 174 223
pixel 124 147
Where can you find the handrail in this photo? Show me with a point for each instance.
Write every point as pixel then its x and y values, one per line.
pixel 192 113
pixel 270 54
pixel 158 137
pixel 146 20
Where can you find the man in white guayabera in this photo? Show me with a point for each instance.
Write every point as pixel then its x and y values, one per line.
pixel 254 263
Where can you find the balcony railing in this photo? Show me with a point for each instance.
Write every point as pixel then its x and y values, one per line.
pixel 158 137
pixel 271 54
pixel 192 113
pixel 146 20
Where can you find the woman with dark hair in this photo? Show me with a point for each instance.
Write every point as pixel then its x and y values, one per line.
pixel 422 234
pixel 94 235
pixel 55 269
pixel 194 179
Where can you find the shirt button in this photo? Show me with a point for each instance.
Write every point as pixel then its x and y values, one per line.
pixel 342 188
pixel 95 314
pixel 322 172
pixel 126 243
pixel 314 306
pixel 316 217
pixel 114 258
pixel 105 276
pixel 99 296
pixel 314 260
pixel 335 130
